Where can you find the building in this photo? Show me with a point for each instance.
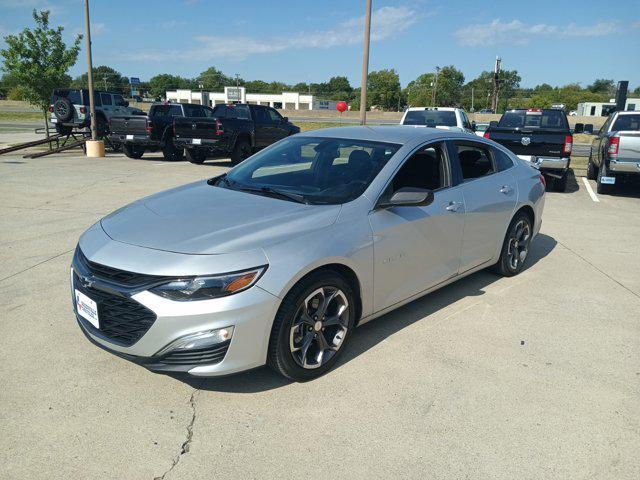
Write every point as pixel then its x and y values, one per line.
pixel 603 109
pixel 283 101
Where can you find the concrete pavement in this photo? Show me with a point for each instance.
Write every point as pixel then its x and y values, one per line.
pixel 531 377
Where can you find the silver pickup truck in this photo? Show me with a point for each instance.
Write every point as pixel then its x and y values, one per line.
pixel 615 153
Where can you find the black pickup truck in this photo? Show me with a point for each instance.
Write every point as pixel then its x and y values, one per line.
pixel 539 136
pixel 149 133
pixel 236 130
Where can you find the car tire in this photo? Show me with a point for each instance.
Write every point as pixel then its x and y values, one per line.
pixel 170 152
pixel 592 171
pixel 602 188
pixel 63 109
pixel 516 246
pixel 302 347
pixel 102 127
pixel 241 151
pixel 195 156
pixel 133 151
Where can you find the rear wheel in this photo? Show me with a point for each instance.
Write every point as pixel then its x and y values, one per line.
pixel 195 156
pixel 515 248
pixel 170 152
pixel 133 151
pixel 592 171
pixel 312 325
pixel 241 151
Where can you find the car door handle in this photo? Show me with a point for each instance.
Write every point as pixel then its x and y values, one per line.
pixel 453 206
pixel 506 189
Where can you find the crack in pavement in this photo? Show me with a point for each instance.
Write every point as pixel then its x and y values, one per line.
pixel 36 265
pixel 632 292
pixel 184 448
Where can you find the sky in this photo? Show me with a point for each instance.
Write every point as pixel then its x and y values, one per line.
pixel 552 41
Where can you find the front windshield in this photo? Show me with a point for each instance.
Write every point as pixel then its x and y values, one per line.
pixel 431 118
pixel 312 170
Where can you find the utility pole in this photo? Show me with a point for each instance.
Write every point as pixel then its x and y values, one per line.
pixel 92 105
pixel 435 88
pixel 472 109
pixel 365 65
pixel 496 85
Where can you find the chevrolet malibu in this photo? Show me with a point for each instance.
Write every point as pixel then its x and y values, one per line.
pixel 278 260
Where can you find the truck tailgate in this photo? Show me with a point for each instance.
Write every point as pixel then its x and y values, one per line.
pixel 129 125
pixel 629 148
pixel 536 142
pixel 204 128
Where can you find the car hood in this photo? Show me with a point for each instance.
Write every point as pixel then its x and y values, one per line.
pixel 203 219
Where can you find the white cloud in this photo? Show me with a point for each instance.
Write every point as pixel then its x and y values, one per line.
pixel 386 22
pixel 98 28
pixel 519 33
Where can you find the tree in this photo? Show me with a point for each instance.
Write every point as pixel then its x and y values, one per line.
pixel 213 80
pixel 384 90
pixel 637 91
pixel 482 87
pixel 39 60
pixel 602 85
pixel 448 88
pixel 159 84
pixel 104 78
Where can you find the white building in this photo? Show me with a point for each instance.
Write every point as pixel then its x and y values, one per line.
pixel 603 109
pixel 283 101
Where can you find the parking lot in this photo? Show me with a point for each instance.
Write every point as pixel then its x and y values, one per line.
pixel 531 377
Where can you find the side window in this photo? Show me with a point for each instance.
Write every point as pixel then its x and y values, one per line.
pixel 119 101
pixel 475 160
pixel 465 120
pixel 428 168
pixel 262 116
pixel 274 116
pixel 175 111
pixel 106 99
pixel 208 112
pixel 503 162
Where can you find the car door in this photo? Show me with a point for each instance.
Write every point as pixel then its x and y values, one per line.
pixel 598 146
pixel 490 194
pixel 107 104
pixel 262 125
pixel 279 127
pixel 416 248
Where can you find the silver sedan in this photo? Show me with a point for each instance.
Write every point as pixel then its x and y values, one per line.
pixel 278 260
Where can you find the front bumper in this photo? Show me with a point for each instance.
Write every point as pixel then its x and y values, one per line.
pixel 620 165
pixel 250 312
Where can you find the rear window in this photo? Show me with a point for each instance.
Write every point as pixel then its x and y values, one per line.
pixel 173 110
pixel 526 119
pixel 430 118
pixel 627 122
pixel 231 111
pixel 74 96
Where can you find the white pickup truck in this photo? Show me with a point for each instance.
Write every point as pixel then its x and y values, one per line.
pixel 446 118
pixel 615 153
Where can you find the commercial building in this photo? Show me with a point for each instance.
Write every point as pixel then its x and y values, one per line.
pixel 597 109
pixel 283 101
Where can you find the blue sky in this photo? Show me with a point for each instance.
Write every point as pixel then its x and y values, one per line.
pixel 303 40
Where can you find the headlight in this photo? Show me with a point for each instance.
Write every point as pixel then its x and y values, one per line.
pixel 207 287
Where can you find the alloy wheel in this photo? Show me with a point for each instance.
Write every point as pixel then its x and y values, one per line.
pixel 319 327
pixel 519 244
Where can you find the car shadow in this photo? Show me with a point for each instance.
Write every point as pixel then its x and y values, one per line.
pixel 572 182
pixel 372 333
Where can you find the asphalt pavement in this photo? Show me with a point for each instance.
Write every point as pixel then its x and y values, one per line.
pixel 531 377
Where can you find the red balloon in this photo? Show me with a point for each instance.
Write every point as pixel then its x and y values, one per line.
pixel 342 106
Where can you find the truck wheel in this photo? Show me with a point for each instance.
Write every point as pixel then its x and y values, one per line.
pixel 63 109
pixel 133 151
pixel 241 151
pixel 101 126
pixel 592 171
pixel 602 188
pixel 170 152
pixel 195 156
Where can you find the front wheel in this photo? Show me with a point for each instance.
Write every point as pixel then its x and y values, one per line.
pixel 195 156
pixel 312 325
pixel 133 151
pixel 515 247
pixel 170 152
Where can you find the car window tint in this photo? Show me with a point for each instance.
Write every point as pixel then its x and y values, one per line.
pixel 475 161
pixel 175 111
pixel 119 101
pixel 503 161
pixel 106 99
pixel 431 118
pixel 262 116
pixel 627 122
pixel 426 169
pixel 274 116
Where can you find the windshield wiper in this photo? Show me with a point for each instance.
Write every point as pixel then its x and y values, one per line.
pixel 272 192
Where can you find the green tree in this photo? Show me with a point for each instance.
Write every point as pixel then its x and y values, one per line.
pixel 213 80
pixel 482 87
pixel 39 59
pixel 104 78
pixel 383 89
pixel 159 84
pixel 602 85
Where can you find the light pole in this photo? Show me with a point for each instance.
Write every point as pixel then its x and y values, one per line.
pixel 95 147
pixel 365 65
pixel 435 88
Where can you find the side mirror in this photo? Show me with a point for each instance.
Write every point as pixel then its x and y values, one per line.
pixel 409 197
pixel 493 123
pixel 285 119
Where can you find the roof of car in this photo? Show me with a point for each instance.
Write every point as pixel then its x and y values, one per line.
pixel 384 133
pixel 444 109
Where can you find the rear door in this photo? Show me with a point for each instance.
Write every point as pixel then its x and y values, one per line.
pixel 263 125
pixel 489 191
pixel 107 104
pixel 279 128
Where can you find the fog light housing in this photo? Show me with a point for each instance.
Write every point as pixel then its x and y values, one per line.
pixel 199 340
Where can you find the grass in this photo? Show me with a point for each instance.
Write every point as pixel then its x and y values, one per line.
pixel 21 116
pixel 306 126
pixel 579 163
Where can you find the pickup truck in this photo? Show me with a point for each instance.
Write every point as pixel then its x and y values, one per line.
pixel 615 152
pixel 447 118
pixel 236 130
pixel 149 133
pixel 539 136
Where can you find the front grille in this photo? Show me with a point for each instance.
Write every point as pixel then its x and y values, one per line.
pixel 207 355
pixel 122 320
pixel 117 276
